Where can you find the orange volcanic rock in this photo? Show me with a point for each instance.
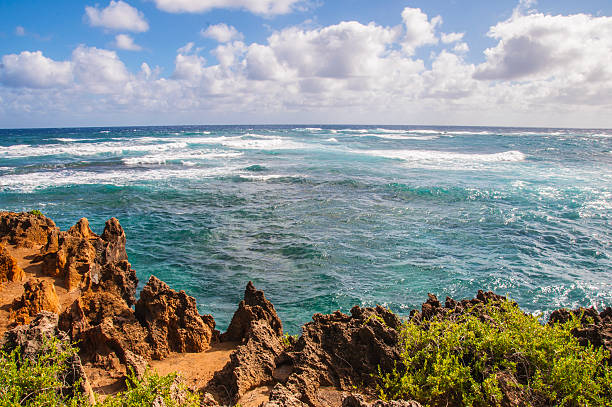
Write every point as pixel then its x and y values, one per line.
pixel 9 269
pixel 38 295
pixel 26 229
pixel 172 320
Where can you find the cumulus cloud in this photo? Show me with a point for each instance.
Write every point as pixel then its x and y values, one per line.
pixel 98 70
pixel 34 70
pixel 540 46
pixel 118 15
pixel 265 7
pixel 222 33
pixel 544 70
pixel 125 42
pixel 451 37
pixel 419 29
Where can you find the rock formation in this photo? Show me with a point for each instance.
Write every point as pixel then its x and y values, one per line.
pixel 31 340
pixel 451 309
pixel 339 350
pixel 172 320
pixel 596 326
pixel 38 295
pixel 9 269
pixel 84 259
pixel 356 400
pixel 254 307
pixel 259 330
pixel 26 229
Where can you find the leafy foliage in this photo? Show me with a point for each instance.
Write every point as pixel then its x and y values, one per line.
pixel 142 392
pixel 36 212
pixel 497 354
pixel 38 382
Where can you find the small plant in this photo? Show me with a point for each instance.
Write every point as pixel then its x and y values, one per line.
pixel 480 361
pixel 143 391
pixel 289 340
pixel 36 212
pixel 38 382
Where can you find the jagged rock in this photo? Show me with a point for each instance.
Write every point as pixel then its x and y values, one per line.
pixel 254 307
pixel 342 350
pixel 26 229
pixel 357 400
pixel 208 400
pixel 282 397
pixel 452 309
pixel 87 260
pixel 38 295
pixel 9 269
pixel 257 326
pixel 172 320
pixel 105 327
pixel 251 364
pixel 31 340
pixel 596 326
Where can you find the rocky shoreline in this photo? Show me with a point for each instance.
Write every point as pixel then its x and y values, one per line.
pixel 79 286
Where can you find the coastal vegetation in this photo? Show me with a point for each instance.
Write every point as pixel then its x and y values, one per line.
pixel 480 358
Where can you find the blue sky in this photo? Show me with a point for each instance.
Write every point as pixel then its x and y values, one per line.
pixel 136 62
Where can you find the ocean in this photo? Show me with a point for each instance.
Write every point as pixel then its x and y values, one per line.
pixel 325 218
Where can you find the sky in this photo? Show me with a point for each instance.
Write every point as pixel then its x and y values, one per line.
pixel 524 63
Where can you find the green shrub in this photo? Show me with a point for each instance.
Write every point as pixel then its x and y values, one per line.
pixel 40 382
pixel 477 361
pixel 36 212
pixel 142 392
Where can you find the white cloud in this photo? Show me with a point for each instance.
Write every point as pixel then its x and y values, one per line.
pixel 118 15
pixel 98 70
pixel 419 29
pixel 265 7
pixel 452 37
pixel 344 72
pixel 541 46
pixel 222 33
pixel 34 70
pixel 461 47
pixel 20 31
pixel 125 42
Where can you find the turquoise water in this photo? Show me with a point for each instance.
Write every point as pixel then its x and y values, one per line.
pixel 331 217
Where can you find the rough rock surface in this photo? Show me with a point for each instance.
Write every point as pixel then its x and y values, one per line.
pixel 31 338
pixel 26 229
pixel 342 351
pixel 9 269
pixel 254 307
pixel 451 309
pixel 596 326
pixel 172 320
pixel 259 329
pixel 106 329
pixel 84 259
pixel 355 400
pixel 38 295
pixel 250 366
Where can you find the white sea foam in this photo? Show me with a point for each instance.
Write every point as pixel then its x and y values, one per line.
pixel 84 149
pixel 398 136
pixel 332 140
pixel 307 129
pixel 184 157
pixel 447 156
pixel 32 181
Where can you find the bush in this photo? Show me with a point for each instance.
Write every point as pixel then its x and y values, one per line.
pixel 39 382
pixel 501 353
pixel 142 392
pixel 36 212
